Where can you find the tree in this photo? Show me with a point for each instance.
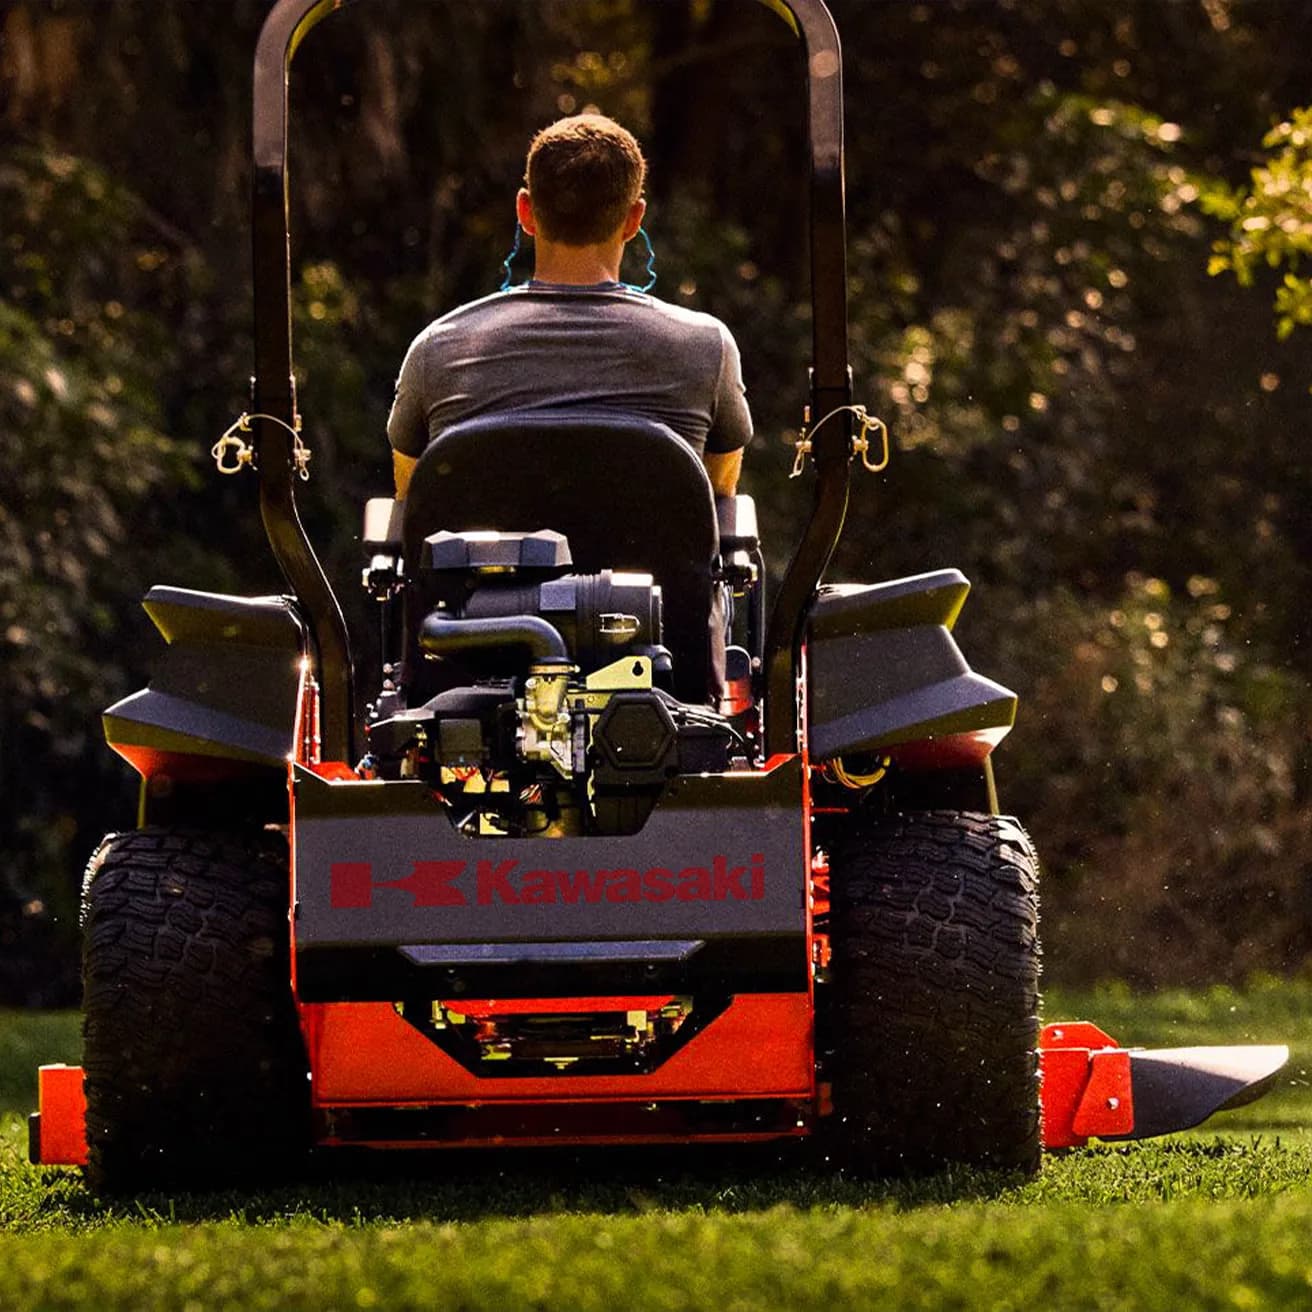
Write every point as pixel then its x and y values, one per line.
pixel 86 459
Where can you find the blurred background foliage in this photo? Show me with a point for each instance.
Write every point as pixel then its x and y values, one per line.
pixel 1109 442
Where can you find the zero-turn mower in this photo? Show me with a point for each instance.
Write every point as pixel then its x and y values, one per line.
pixel 599 864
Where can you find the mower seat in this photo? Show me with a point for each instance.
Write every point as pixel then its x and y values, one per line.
pixel 629 494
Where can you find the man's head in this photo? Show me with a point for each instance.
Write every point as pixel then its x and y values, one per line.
pixel 584 181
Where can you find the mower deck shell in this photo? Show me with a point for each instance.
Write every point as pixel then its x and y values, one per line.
pixel 364 1054
pixel 378 1083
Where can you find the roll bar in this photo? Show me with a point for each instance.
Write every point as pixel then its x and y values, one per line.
pixel 287 25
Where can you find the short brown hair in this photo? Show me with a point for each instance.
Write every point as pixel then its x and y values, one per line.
pixel 583 175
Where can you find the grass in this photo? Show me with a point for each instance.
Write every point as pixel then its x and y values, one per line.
pixel 1214 1218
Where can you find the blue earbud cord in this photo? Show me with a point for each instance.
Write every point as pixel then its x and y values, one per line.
pixel 651 265
pixel 508 263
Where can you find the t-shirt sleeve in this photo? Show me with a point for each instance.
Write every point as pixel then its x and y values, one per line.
pixel 407 425
pixel 731 421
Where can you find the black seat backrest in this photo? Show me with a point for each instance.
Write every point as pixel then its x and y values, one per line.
pixel 629 494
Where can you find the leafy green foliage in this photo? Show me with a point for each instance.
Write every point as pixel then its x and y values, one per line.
pixel 86 282
pixel 1271 221
pixel 1170 804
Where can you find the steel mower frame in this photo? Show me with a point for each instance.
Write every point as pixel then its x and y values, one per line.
pixel 596 878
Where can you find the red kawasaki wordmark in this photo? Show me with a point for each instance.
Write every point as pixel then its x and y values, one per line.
pixel 440 884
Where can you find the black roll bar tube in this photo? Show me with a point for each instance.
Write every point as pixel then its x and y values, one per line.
pixel 830 379
pixel 287 25
pixel 274 388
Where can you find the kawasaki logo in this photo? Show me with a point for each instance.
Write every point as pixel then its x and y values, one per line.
pixel 442 884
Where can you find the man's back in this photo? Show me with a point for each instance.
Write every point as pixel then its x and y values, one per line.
pixel 600 348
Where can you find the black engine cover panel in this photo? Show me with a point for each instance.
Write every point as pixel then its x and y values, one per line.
pixel 391 900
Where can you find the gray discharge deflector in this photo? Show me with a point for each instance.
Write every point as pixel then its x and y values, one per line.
pixel 1178 1088
pixel 1092 1088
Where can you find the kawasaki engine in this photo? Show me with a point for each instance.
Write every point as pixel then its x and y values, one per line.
pixel 554 715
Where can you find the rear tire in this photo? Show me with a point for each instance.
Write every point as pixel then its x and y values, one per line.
pixel 935 974
pixel 195 1070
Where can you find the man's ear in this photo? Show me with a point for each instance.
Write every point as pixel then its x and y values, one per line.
pixel 634 221
pixel 524 213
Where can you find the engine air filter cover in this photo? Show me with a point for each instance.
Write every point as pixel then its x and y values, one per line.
pixel 495 553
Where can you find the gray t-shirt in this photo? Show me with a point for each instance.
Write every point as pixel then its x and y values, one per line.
pixel 545 346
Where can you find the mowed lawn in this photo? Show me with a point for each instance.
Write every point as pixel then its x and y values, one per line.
pixel 1218 1218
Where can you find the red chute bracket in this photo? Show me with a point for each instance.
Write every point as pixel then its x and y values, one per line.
pixel 1086 1085
pixel 57 1133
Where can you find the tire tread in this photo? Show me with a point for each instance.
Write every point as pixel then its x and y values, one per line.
pixel 935 1008
pixel 194 1067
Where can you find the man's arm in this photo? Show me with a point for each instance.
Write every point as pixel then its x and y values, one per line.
pixel 724 468
pixel 731 424
pixel 402 467
pixel 407 425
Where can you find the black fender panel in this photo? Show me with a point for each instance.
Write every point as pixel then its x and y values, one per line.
pixel 884 670
pixel 226 687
